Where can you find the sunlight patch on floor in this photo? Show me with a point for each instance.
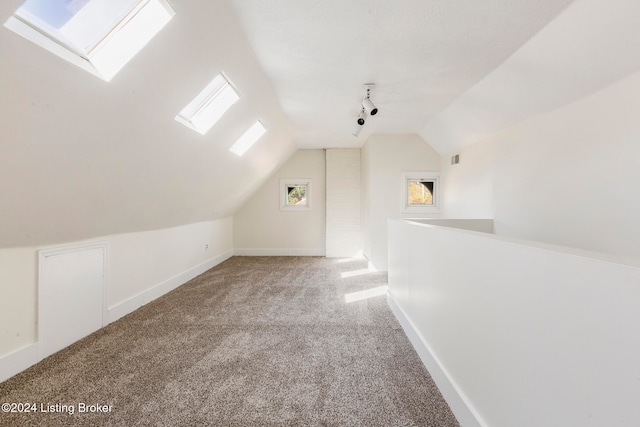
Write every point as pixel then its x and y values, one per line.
pixel 354 273
pixel 366 294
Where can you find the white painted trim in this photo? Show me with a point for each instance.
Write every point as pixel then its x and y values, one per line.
pixel 130 305
pixel 459 404
pixel 26 31
pixel 280 252
pixel 21 359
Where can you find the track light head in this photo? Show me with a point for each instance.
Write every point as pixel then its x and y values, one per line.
pixel 369 107
pixel 362 117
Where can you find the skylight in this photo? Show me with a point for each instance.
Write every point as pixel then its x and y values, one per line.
pixel 210 104
pixel 100 36
pixel 248 139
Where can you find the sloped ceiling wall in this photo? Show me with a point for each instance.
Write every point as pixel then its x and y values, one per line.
pixel 80 157
pixel 589 46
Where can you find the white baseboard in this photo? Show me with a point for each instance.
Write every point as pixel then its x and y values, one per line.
pixel 461 408
pixel 280 252
pixel 18 361
pixel 132 304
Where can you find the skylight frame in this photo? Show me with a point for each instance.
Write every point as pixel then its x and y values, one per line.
pixel 96 59
pixel 248 139
pixel 208 107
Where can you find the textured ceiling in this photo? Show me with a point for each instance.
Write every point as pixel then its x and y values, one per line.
pixel 421 54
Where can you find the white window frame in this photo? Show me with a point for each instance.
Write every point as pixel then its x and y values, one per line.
pixel 290 182
pixel 421 176
pixel 219 96
pixel 59 47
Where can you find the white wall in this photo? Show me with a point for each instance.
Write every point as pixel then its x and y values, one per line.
pixel 81 157
pixel 141 267
pixel 384 158
pixel 516 333
pixel 587 47
pixel 18 298
pixel 138 262
pixel 568 177
pixel 261 228
pixel 468 186
pixel 344 202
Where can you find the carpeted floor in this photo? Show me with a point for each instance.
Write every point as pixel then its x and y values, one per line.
pixel 264 341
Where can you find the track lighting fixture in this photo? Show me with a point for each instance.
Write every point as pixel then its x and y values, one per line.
pixel 366 109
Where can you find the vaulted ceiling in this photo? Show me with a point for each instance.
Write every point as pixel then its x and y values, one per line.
pixel 80 157
pixel 422 55
pixel 454 72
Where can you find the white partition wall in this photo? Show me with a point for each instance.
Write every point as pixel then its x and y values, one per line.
pixel 343 202
pixel 517 333
pixel 386 159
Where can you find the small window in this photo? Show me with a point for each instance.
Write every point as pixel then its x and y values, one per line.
pixel 210 104
pixel 249 138
pixel 295 194
pixel 420 192
pixel 100 36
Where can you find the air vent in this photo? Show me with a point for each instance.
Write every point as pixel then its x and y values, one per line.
pixel 455 159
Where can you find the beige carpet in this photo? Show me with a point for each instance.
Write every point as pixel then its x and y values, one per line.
pixel 264 341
